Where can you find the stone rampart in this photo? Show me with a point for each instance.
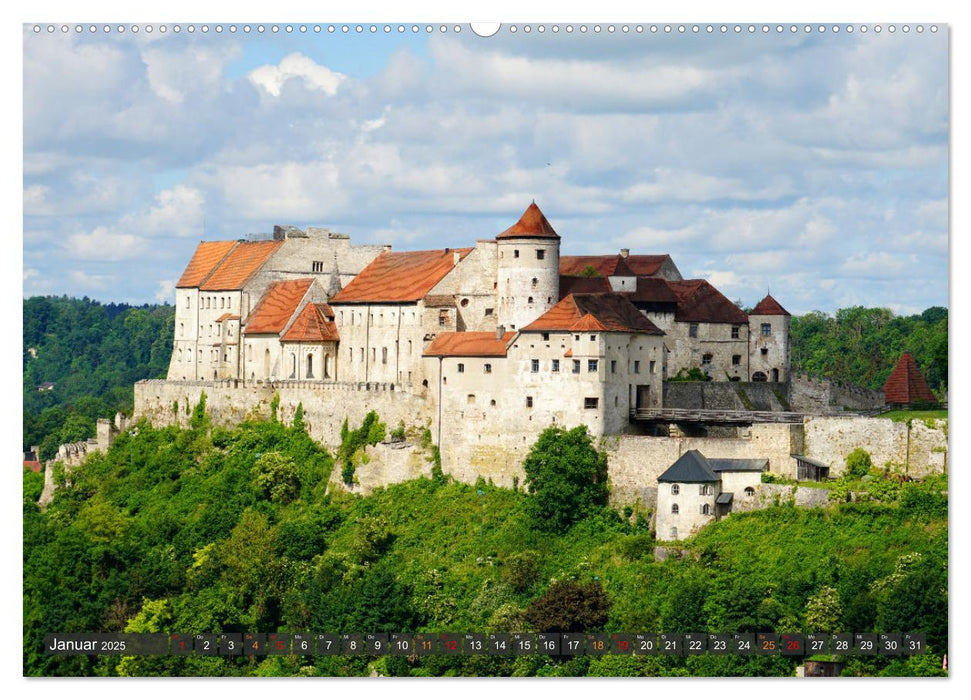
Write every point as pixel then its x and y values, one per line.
pixel 727 396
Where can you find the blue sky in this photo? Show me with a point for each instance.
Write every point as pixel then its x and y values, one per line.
pixel 814 164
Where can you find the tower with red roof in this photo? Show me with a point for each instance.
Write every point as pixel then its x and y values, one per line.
pixel 906 385
pixel 769 357
pixel 527 270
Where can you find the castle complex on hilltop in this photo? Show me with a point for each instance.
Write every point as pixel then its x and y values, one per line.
pixel 508 332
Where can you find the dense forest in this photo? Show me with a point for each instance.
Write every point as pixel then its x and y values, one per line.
pixel 861 346
pixel 92 353
pixel 210 529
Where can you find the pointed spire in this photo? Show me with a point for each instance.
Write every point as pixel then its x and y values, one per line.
pixel 532 224
pixel 906 384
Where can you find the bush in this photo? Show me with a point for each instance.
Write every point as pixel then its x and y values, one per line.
pixel 276 475
pixel 858 463
pixel 521 570
pixel 694 374
pixel 569 606
pixel 566 477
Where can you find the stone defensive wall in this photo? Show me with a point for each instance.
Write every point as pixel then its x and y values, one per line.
pixel 325 404
pixel 727 396
pixel 811 394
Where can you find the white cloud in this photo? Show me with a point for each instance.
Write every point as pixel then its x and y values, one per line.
pixel 103 244
pixel 177 212
pixel 30 272
pixel 35 200
pixel 295 65
pixel 165 291
pixel 88 281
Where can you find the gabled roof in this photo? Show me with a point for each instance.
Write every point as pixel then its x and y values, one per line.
pixel 311 326
pixel 906 384
pixel 532 224
pixel 594 312
pixel 207 256
pixel 240 265
pixel 690 468
pixel 583 285
pixel 769 307
pixel 399 277
pixel 699 301
pixel 469 344
pixel 605 265
pixel 227 317
pixel 277 306
pixel 738 465
pixel 653 290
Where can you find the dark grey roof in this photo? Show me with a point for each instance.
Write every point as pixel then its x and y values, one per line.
pixel 739 465
pixel 809 460
pixel 690 468
pixel 724 498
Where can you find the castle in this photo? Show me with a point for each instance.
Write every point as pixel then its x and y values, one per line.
pixel 505 337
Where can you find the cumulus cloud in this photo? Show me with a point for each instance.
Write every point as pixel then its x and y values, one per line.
pixel 103 244
pixel 165 291
pixel 296 66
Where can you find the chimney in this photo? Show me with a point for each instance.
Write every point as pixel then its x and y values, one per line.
pixel 500 331
pixel 456 256
pixel 624 252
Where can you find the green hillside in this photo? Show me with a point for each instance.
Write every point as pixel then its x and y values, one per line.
pixel 234 530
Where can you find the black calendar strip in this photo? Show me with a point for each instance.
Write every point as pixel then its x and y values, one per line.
pixel 485 644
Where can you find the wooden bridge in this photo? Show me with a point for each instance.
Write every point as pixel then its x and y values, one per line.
pixel 690 415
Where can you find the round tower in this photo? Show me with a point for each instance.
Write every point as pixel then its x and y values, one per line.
pixel 528 270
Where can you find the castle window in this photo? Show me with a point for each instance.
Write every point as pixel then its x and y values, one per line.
pixel 674 509
pixel 540 254
pixel 222 302
pixel 492 402
pixel 465 302
pixel 515 253
pixel 766 329
pixel 576 366
pixel 180 354
pixel 549 300
pixel 362 354
pixel 705 509
pixel 317 266
pixel 187 302
pixel 442 318
pixel 535 281
pixel 470 399
pixel 704 490
pixel 613 366
pixel 384 356
pixel 529 402
pixel 736 359
pixel 487 368
pixel 693 330
pixel 530 300
pixel 488 312
pixel 461 367
pixel 735 330
pixel 675 489
pixel 637 366
pixel 591 402
pixel 706 358
pixel 674 533
pixel 424 383
pixel 653 365
pixel 534 365
pixel 556 366
pixel 546 336
pixel 409 347
pixel 759 377
pixel 181 330
pixel 765 351
pixel 749 491
pixel 591 365
pixel 576 337
pixel 593 338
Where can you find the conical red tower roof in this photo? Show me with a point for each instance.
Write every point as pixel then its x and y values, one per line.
pixel 769 307
pixel 906 384
pixel 532 224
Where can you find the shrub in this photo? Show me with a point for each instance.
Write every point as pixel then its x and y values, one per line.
pixel 569 606
pixel 276 475
pixel 858 463
pixel 521 570
pixel 566 477
pixel 694 374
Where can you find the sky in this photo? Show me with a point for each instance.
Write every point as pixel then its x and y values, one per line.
pixel 814 165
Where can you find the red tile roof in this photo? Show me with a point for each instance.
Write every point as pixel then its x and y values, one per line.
pixel 277 306
pixel 769 307
pixel 241 264
pixel 399 277
pixel 207 256
pixel 32 464
pixel 653 290
pixel 469 344
pixel 583 285
pixel 311 326
pixel 227 317
pixel 532 224
pixel 906 384
pixel 605 265
pixel 698 301
pixel 600 312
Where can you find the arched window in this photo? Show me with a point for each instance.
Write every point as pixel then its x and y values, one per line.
pixel 674 509
pixel 749 491
pixel 759 377
pixel 424 383
pixel 675 489
pixel 180 354
pixel 705 490
pixel 266 363
pixel 706 509
pixel 310 365
pixel 181 329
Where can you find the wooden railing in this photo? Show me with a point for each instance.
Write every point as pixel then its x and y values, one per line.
pixel 689 415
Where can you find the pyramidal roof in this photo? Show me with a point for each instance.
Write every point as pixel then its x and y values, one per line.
pixel 906 384
pixel 769 307
pixel 532 224
pixel 690 468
